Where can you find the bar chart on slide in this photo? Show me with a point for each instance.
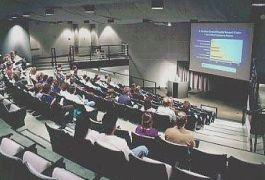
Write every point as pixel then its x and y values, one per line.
pixel 226 50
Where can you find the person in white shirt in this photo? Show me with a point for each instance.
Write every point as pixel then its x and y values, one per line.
pixel 166 109
pixel 76 98
pixel 64 89
pixel 109 140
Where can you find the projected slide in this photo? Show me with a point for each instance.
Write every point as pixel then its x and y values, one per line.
pixel 222 49
pixel 227 50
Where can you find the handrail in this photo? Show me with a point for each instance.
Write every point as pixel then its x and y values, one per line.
pixel 54 57
pixel 131 76
pixel 90 50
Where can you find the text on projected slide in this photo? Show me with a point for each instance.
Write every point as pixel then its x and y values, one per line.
pixel 219 50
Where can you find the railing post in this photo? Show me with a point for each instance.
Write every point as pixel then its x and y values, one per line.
pixel 55 57
pixel 143 83
pixel 52 57
pixel 90 54
pixel 109 51
pixel 155 88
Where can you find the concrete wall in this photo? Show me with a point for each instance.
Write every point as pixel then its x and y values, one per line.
pixel 154 49
pixel 14 36
pixel 44 36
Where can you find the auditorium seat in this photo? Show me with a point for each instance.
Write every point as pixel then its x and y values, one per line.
pixel 97 126
pixel 10 147
pixel 111 163
pixel 149 142
pixel 143 169
pixel 174 154
pixel 62 142
pixel 12 114
pixel 212 165
pixel 62 174
pixel 161 122
pixel 238 169
pixel 181 174
pixel 125 135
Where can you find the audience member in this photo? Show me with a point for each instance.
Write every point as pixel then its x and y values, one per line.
pixel 179 134
pixel 145 128
pixel 148 106
pixel 125 97
pixel 38 90
pixel 113 142
pixel 64 89
pixel 33 74
pixel 56 87
pixel 46 97
pixel 166 109
pixel 9 70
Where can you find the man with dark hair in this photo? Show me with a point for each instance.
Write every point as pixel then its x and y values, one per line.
pixel 179 134
pixel 109 140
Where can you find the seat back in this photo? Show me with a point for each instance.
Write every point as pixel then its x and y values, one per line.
pixel 11 167
pixel 150 142
pixel 186 175
pixel 174 153
pixel 238 169
pixel 207 164
pixel 30 173
pixel 161 122
pixel 142 170
pixel 125 135
pixel 97 126
pixel 111 163
pixel 62 143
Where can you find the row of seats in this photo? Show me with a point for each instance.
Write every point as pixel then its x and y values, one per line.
pixel 11 113
pixel 113 164
pixel 174 155
pixel 18 162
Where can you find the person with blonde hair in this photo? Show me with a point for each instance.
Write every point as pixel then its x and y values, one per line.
pixel 178 134
pixel 167 109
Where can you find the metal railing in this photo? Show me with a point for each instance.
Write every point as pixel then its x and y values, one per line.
pixel 54 57
pixel 101 52
pixel 143 82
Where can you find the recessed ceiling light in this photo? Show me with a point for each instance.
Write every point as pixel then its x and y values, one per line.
pixel 49 11
pixel 169 24
pixel 157 4
pixel 89 8
pixel 110 20
pixel 258 4
pixel 26 15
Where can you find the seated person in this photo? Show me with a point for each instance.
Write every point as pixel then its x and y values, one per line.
pixel 46 97
pixel 9 70
pixel 32 75
pixel 64 89
pixel 148 106
pixel 145 128
pixel 37 91
pixel 110 94
pixel 18 81
pixel 89 84
pixel 166 109
pixel 114 142
pixel 76 98
pixel 55 87
pixel 179 134
pixel 49 80
pixel 125 98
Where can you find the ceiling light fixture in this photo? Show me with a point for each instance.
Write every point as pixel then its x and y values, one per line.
pixel 157 4
pixel 169 24
pixel 89 9
pixel 110 20
pixel 49 11
pixel 26 15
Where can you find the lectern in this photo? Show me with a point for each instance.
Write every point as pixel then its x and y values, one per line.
pixel 177 89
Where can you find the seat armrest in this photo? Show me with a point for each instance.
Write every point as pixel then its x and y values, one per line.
pixel 59 163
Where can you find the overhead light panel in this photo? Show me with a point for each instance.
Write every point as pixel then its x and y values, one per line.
pixel 26 15
pixel 169 24
pixel 157 4
pixel 49 11
pixel 258 4
pixel 110 20
pixel 89 9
